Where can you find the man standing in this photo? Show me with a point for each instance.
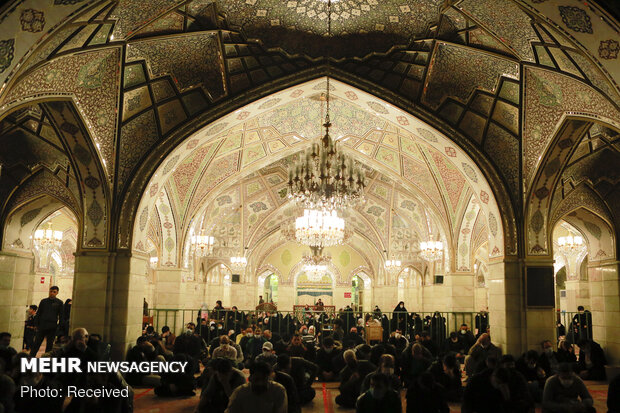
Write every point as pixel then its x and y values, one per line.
pixel 29 328
pixel 46 321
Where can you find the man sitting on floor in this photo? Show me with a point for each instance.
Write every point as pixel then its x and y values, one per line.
pixel 260 394
pixel 566 393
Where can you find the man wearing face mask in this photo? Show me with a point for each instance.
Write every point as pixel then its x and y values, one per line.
pixel 386 366
pixel 260 394
pixel 379 398
pixel 534 375
pixel 566 393
pixel 466 337
pixel 548 360
pixel 398 341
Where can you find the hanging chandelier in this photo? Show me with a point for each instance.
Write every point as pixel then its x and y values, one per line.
pixel 571 246
pixel 431 250
pixel 393 266
pixel 318 228
pixel 238 263
pixel 47 237
pixel 202 245
pixel 324 178
pixel 316 264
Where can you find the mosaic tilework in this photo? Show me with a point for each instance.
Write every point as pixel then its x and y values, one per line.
pixel 186 175
pixel 550 96
pixel 191 59
pixel 464 237
pixel 88 170
pixel 131 15
pixel 6 53
pixel 299 26
pixel 93 78
pixel 506 20
pixel 136 138
pixel 485 74
pixel 32 20
pixel 43 183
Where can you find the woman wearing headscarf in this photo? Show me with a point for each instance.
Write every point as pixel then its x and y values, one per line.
pixel 399 318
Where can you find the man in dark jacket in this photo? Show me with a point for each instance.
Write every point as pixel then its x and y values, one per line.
pixel 591 364
pixel 303 373
pixel 29 328
pixel 351 378
pixel 324 357
pixel 49 314
pixel 380 397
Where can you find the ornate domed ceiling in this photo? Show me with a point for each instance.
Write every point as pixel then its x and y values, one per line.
pixel 415 189
pixel 106 90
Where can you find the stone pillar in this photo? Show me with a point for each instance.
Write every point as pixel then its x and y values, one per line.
pixel 108 294
pixel 577 293
pixel 505 305
pixel 540 323
pixel 605 306
pixel 287 296
pixel 459 293
pixel 16 278
pixel 386 297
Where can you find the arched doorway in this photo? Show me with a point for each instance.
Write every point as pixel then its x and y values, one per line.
pixel 270 289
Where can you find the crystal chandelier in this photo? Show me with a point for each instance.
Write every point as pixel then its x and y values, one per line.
pixel 47 237
pixel 316 264
pixel 431 250
pixel 571 246
pixel 203 245
pixel 393 266
pixel 318 228
pixel 323 178
pixel 238 263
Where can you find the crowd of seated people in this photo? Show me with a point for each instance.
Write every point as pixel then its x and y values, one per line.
pixel 283 367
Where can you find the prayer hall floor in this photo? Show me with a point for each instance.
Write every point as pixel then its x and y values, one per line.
pixel 145 400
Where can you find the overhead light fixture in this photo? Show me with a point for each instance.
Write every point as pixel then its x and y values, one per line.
pixel 238 264
pixel 202 245
pixel 324 178
pixel 393 266
pixel 316 264
pixel 571 246
pixel 318 228
pixel 431 250
pixel 47 237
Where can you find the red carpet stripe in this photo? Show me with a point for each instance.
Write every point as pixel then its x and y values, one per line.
pixel 137 396
pixel 325 400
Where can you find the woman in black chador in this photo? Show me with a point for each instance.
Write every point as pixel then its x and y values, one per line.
pixel 399 318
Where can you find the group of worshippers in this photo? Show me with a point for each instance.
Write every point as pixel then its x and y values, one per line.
pixel 283 368
pixel 370 377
